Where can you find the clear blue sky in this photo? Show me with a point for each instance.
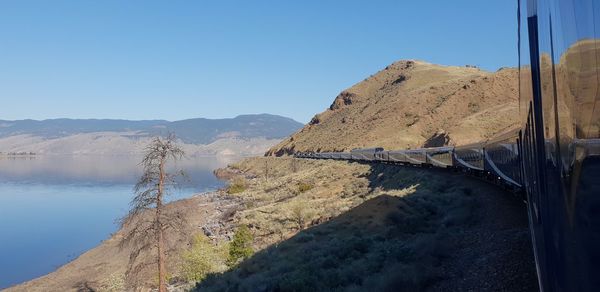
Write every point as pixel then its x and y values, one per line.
pixel 183 59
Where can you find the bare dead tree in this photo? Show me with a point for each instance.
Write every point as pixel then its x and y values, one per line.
pixel 147 220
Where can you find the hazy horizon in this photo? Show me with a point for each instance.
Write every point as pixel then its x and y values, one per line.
pixel 135 120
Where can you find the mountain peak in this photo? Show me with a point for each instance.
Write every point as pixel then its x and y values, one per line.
pixel 407 104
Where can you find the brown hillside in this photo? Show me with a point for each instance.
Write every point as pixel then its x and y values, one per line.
pixel 412 104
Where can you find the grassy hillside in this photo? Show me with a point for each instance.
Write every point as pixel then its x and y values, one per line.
pixel 413 104
pixel 385 228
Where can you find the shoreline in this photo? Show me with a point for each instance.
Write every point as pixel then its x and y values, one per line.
pixel 107 246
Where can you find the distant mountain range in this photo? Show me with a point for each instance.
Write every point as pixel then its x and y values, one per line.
pixel 244 134
pixel 193 131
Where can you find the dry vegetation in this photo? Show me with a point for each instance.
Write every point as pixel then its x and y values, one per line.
pixel 385 228
pixel 409 104
pixel 278 205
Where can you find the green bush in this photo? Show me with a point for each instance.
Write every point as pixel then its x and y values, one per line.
pixel 303 187
pixel 202 258
pixel 241 246
pixel 238 185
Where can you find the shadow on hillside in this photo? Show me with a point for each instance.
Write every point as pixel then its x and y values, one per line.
pixel 387 243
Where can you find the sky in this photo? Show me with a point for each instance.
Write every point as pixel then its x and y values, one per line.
pixel 181 59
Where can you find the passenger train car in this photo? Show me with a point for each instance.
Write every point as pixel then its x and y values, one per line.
pixel 554 158
pixel 559 50
pixel 496 160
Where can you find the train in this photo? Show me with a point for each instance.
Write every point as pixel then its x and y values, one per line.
pixel 553 159
pixel 496 160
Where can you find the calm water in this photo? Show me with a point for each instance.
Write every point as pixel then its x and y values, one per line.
pixel 54 208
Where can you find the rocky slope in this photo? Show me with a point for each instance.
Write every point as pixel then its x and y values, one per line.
pixel 413 104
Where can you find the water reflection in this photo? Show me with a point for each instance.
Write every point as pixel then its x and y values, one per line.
pixel 65 169
pixel 53 208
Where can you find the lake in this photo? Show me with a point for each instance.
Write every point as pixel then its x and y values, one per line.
pixel 54 208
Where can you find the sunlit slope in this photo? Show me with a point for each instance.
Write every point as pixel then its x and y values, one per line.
pixel 413 104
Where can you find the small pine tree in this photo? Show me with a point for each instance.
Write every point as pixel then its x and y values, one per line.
pixel 241 246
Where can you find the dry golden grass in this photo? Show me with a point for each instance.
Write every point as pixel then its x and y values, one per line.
pixel 407 103
pixel 360 227
pixel 286 194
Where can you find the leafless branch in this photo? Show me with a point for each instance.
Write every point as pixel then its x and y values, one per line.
pixel 147 220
